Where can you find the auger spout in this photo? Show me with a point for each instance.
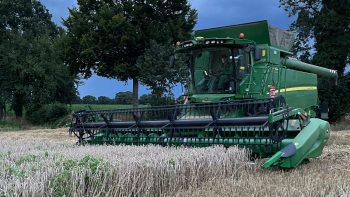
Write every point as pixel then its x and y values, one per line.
pixel 299 65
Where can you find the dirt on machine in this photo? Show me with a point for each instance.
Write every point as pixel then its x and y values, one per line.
pixel 244 89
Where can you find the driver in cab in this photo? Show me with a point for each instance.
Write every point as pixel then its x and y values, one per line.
pixel 219 78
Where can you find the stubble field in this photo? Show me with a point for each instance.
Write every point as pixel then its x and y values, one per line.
pixel 48 163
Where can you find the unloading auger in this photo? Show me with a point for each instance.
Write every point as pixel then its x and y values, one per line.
pixel 246 91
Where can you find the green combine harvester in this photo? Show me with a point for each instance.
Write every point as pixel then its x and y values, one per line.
pixel 244 89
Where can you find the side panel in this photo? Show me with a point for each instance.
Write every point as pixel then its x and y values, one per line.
pixel 299 88
pixel 253 84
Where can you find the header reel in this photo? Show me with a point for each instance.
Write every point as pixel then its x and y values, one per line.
pixel 260 125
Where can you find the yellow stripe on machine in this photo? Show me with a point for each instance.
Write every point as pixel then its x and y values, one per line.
pixel 304 88
pixel 298 89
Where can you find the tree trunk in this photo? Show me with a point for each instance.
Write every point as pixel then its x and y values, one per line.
pixel 18 105
pixel 135 92
pixel 2 111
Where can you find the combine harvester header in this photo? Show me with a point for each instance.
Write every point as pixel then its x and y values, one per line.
pixel 245 89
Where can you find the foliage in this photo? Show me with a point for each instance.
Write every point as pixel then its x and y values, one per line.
pixel 163 77
pixel 145 99
pixel 77 100
pixel 305 11
pixel 78 107
pixel 48 113
pixel 32 72
pixel 14 171
pixel 108 37
pixel 123 98
pixel 89 99
pixel 26 158
pixel 104 100
pixel 6 125
pixel 156 100
pixel 336 97
pixel 327 24
pixel 59 184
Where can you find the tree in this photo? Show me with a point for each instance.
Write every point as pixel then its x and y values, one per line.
pixel 327 23
pixel 156 100
pixel 123 98
pixel 145 99
pixel 2 106
pixel 109 37
pixel 104 100
pixel 77 100
pixel 31 70
pixel 163 77
pixel 89 99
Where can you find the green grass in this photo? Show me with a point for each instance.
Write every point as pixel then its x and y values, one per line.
pixel 77 107
pixel 12 124
pixel 9 125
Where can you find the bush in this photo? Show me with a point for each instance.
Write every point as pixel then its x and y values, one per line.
pixel 47 114
pixel 104 100
pixel 89 100
pixel 156 100
pixel 123 98
pixel 9 125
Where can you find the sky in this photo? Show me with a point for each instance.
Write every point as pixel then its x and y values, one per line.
pixel 211 13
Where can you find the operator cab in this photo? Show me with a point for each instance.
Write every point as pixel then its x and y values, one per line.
pixel 218 70
pixel 217 66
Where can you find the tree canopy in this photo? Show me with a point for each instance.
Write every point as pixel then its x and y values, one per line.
pixel 156 100
pixel 89 99
pixel 109 37
pixel 163 77
pixel 104 100
pixel 32 72
pixel 123 98
pixel 326 23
